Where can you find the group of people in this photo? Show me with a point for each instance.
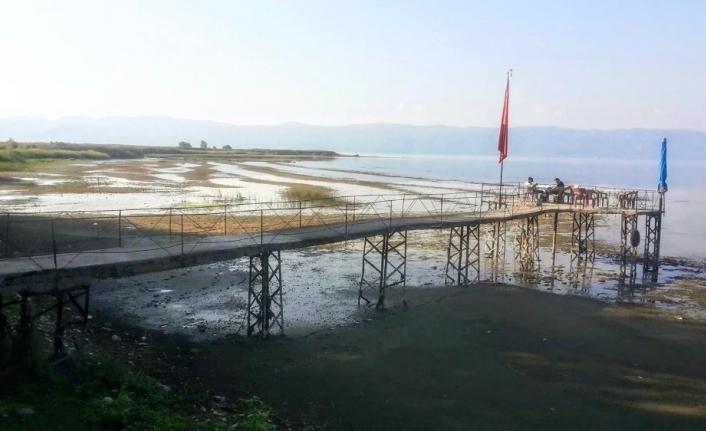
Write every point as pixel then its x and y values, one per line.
pixel 532 190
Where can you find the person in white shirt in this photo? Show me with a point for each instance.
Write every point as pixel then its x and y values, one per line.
pixel 530 187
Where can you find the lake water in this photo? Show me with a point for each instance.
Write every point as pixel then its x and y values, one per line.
pixel 683 228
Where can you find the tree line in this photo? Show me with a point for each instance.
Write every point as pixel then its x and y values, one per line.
pixel 203 145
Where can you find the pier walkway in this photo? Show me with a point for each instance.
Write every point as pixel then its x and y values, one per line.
pixel 70 255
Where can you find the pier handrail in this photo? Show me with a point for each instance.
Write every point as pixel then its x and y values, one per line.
pixel 177 228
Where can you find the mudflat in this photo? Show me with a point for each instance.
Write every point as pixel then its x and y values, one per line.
pixel 479 358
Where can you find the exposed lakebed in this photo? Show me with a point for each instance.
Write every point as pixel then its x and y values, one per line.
pixel 320 286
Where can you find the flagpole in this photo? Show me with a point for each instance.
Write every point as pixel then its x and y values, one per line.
pixel 501 184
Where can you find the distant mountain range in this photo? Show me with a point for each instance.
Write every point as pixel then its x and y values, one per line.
pixel 361 139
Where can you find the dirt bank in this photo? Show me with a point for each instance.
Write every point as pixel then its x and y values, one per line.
pixel 483 357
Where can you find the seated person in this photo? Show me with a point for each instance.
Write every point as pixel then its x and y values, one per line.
pixel 557 190
pixel 530 188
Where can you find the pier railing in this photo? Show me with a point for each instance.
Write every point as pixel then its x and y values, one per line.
pixel 33 234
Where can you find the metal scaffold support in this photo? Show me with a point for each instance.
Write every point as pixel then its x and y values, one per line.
pixel 69 306
pixel 495 234
pixel 583 250
pixel 629 239
pixel 653 233
pixel 384 265
pixel 463 253
pixel 265 308
pixel 528 243
pixel 79 298
pixel 581 271
pixel 583 245
pixel 23 351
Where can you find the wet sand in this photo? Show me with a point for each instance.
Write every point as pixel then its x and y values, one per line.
pixel 481 357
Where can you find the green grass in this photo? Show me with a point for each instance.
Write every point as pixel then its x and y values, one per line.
pixel 16 157
pixel 76 402
pixel 14 166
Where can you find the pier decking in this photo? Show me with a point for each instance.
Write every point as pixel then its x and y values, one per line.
pixel 37 273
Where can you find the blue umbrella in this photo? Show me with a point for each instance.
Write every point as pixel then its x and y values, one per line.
pixel 662 185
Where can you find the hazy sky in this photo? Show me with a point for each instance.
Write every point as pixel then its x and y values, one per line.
pixel 582 64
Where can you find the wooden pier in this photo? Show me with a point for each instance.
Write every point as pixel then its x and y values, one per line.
pixel 145 243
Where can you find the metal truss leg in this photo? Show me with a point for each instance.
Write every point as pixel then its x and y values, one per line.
pixel 554 232
pixel 583 250
pixel 22 350
pixel 528 244
pixel 653 234
pixel 4 327
pixel 628 253
pixel 64 298
pixel 75 299
pixel 489 232
pixel 581 270
pixel 463 253
pixel 583 244
pixel 384 265
pixel 59 348
pixel 373 260
pixel 265 307
pixel 495 235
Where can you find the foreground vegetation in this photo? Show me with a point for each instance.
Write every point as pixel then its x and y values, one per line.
pixel 86 392
pixel 16 156
pixel 106 395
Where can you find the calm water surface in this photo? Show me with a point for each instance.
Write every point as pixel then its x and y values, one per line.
pixel 684 225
